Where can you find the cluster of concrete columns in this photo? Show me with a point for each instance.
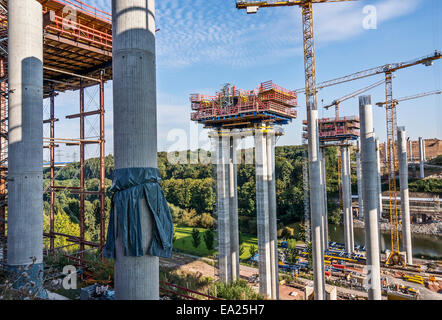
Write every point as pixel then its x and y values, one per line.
pixel 227 208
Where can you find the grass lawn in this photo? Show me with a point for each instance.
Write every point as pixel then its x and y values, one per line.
pixel 184 244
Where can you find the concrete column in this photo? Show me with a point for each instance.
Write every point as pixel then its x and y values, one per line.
pixel 421 158
pixel 378 175
pixel 135 130
pixel 324 196
pixel 233 205
pixel 410 149
pixel 223 206
pixel 405 201
pixel 25 144
pixel 346 199
pixel 316 202
pixel 262 212
pixel 271 141
pixel 370 196
pixel 359 180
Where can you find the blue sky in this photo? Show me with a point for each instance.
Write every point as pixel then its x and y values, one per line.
pixel 203 44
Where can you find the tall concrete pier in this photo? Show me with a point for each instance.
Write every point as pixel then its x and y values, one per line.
pixel 233 207
pixel 378 176
pixel 359 181
pixel 135 131
pixel 316 202
pixel 370 196
pixel 223 205
pixel 421 158
pixel 405 201
pixel 262 212
pixel 25 143
pixel 271 141
pixel 324 195
pixel 346 199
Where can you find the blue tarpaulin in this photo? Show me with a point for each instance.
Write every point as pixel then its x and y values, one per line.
pixel 130 185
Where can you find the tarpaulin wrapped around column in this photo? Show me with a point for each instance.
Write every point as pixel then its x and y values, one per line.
pixel 130 185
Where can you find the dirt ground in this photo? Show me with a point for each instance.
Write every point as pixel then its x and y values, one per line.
pixel 200 267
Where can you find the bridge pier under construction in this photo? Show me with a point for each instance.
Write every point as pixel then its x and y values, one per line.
pixel 235 114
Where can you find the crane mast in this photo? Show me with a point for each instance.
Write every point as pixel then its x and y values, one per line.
pixel 391 120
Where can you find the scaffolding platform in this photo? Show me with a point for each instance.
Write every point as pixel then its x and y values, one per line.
pixel 235 108
pixel 336 129
pixel 77 44
pixel 77 54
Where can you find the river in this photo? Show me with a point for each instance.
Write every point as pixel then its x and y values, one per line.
pixel 422 244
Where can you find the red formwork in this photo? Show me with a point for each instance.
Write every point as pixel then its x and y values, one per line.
pixel 332 129
pixel 268 98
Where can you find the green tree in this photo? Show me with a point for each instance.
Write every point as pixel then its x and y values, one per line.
pixel 252 250
pixel 241 249
pixel 196 238
pixel 209 239
pixel 287 233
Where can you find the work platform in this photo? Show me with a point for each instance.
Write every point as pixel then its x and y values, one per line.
pixel 77 54
pixel 77 44
pixel 235 108
pixel 336 130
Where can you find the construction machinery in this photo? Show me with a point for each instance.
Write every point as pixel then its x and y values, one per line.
pixel 388 69
pixel 309 64
pixel 337 102
pixel 416 96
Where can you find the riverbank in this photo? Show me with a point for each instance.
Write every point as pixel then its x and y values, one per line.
pixel 431 229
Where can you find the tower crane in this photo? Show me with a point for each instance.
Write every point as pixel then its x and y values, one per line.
pixel 252 6
pixel 391 117
pixel 310 84
pixel 416 96
pixel 335 103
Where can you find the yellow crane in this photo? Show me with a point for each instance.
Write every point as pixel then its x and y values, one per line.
pixel 415 96
pixel 308 35
pixel 337 102
pixel 390 106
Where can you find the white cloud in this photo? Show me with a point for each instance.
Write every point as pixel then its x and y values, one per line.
pixel 341 21
pixel 209 31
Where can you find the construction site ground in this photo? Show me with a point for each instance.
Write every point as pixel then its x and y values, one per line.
pixel 204 267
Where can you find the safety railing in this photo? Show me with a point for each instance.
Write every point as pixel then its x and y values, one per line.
pixel 66 27
pixel 87 9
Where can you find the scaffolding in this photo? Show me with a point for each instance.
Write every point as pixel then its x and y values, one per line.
pixel 77 55
pixel 232 107
pixel 337 129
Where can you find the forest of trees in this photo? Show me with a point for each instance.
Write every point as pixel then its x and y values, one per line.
pixel 190 191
